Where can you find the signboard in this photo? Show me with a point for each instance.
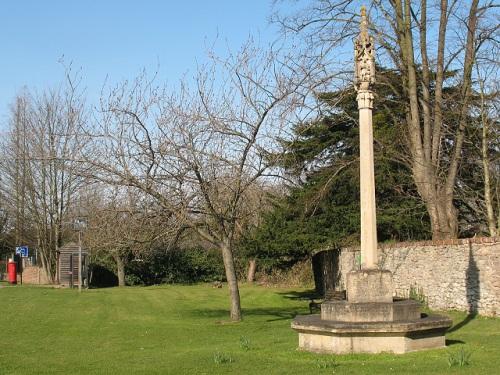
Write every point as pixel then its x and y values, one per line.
pixel 22 251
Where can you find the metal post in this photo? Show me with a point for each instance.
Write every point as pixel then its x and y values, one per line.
pixel 20 267
pixel 71 268
pixel 80 261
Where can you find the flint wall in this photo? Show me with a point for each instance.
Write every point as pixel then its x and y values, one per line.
pixel 459 274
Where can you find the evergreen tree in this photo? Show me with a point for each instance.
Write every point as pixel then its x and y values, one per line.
pixel 322 210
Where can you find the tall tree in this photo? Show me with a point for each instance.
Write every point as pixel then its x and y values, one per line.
pixel 479 174
pixel 322 209
pixel 404 29
pixel 489 108
pixel 200 152
pixel 39 167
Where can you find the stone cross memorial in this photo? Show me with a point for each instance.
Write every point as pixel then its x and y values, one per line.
pixel 370 319
pixel 364 59
pixel 372 284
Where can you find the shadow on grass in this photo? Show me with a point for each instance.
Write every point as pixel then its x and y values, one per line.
pixel 454 342
pixel 304 295
pixel 274 314
pixel 463 323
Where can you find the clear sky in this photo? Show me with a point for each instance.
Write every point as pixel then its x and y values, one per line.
pixel 117 38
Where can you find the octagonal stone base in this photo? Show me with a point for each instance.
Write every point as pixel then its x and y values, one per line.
pixel 325 336
pixel 343 311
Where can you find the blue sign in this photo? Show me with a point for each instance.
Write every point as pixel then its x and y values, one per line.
pixel 22 250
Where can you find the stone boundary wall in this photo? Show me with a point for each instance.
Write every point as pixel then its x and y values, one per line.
pixel 459 274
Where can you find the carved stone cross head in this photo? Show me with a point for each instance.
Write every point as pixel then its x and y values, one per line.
pixel 364 56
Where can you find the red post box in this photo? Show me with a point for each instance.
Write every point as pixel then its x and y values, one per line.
pixel 12 271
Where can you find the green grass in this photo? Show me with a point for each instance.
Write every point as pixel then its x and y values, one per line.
pixel 184 330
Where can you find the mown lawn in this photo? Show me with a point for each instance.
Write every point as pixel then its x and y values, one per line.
pixel 184 330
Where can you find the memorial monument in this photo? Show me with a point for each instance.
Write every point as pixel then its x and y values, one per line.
pixel 370 320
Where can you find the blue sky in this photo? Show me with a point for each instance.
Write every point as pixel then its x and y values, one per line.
pixel 117 38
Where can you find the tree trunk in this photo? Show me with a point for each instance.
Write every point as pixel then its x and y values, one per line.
pixel 252 267
pixel 232 281
pixel 91 275
pixel 444 217
pixel 120 270
pixel 488 201
pixel 45 270
pixel 46 266
pixel 436 194
pixel 449 186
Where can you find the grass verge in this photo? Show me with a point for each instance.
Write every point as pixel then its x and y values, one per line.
pixel 183 330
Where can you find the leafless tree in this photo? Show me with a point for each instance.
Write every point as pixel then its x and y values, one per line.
pixel 487 150
pixel 122 223
pixel 5 232
pixel 434 45
pixel 38 166
pixel 198 152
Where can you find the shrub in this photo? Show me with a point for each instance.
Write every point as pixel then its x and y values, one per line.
pixel 177 266
pixel 300 275
pixel 417 294
pixel 102 275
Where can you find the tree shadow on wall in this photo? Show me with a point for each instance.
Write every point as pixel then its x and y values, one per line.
pixel 473 292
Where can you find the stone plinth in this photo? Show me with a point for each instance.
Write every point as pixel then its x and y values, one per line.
pixel 327 336
pixel 369 321
pixel 371 285
pixel 343 311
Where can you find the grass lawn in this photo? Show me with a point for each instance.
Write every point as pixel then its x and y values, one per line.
pixel 184 330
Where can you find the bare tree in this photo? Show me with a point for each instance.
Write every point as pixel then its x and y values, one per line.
pixel 199 152
pixel 5 230
pixel 123 223
pixel 434 46
pixel 13 171
pixel 39 168
pixel 488 114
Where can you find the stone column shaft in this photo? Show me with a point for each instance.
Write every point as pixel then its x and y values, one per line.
pixel 369 256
